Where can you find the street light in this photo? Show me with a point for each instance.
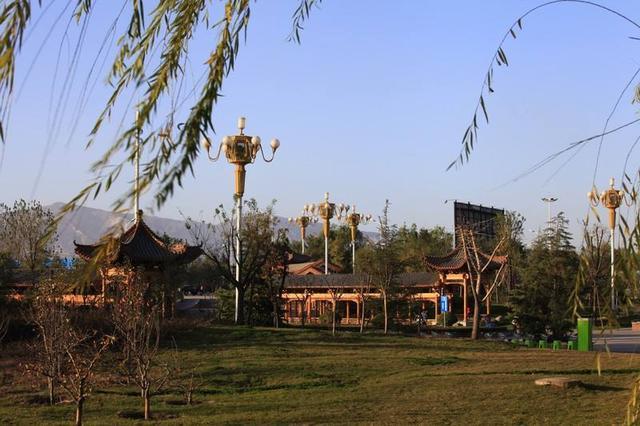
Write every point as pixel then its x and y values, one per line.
pixel 303 221
pixel 240 150
pixel 549 200
pixel 611 199
pixel 326 211
pixel 354 219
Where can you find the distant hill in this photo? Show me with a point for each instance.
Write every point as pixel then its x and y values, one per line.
pixel 86 225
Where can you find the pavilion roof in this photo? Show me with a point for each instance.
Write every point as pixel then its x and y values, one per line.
pixel 139 245
pixel 456 261
pixel 405 279
pixel 311 267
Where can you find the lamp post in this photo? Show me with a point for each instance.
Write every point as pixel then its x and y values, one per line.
pixel 303 221
pixel 354 219
pixel 240 150
pixel 549 200
pixel 611 199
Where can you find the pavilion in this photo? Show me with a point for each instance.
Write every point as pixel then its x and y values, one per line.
pixel 453 271
pixel 137 246
pixel 308 297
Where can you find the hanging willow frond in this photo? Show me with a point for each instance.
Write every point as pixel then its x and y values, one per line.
pixel 499 58
pixel 14 17
pixel 300 16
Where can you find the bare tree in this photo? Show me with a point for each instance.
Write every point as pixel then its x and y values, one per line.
pixel 363 293
pixel 592 282
pixel 48 313
pixel 303 298
pixel 275 273
pixel 478 266
pixel 382 264
pixel 82 351
pixel 187 379
pixel 336 294
pixel 136 318
pixel 25 234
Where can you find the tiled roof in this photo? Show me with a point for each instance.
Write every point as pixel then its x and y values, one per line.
pixel 305 268
pixel 141 246
pixel 407 279
pixel 457 261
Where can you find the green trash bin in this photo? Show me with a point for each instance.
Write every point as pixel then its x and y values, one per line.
pixel 585 332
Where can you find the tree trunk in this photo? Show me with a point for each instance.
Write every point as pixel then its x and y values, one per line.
pixel 333 328
pixel 164 305
pixel 147 404
pixel 276 314
pixel 362 317
pixel 190 397
pixel 476 317
pixel 79 407
pixel 250 306
pixel 386 314
pixel 51 388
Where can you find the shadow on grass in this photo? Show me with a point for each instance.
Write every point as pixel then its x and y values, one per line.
pixel 182 402
pixel 139 415
pixel 533 372
pixel 603 388
pixel 428 360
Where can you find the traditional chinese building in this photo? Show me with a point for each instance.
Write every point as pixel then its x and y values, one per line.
pixel 309 297
pixel 137 246
pixel 453 271
pixel 309 294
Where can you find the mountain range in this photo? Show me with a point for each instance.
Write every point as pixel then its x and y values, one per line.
pixel 86 225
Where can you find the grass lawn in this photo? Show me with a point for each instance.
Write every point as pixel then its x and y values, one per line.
pixel 301 376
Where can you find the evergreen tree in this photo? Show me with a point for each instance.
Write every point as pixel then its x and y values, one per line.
pixel 416 243
pixel 542 300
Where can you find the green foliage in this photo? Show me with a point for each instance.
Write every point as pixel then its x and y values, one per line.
pixel 415 243
pixel 339 246
pixel 542 301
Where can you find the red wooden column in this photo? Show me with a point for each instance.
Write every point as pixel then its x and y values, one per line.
pixel 464 299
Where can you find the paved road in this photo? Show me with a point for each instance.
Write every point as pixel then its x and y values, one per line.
pixel 621 340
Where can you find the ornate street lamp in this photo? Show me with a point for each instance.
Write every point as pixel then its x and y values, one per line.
pixel 611 199
pixel 240 150
pixel 354 219
pixel 303 221
pixel 325 211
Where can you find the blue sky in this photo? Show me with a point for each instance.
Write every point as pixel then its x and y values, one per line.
pixel 372 105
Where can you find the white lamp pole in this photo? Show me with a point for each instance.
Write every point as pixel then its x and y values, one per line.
pixel 611 199
pixel 240 151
